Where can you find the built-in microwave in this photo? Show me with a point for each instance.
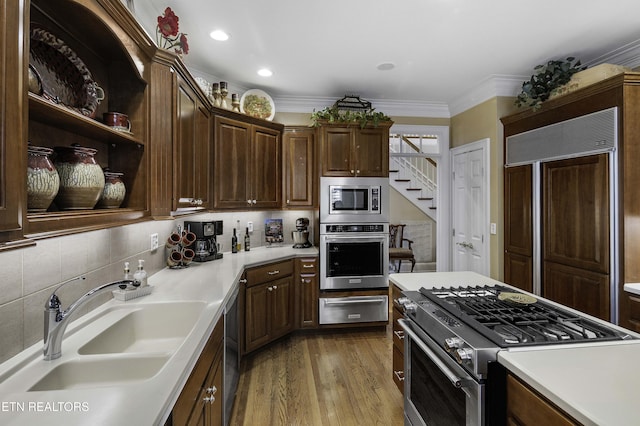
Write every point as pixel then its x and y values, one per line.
pixel 358 199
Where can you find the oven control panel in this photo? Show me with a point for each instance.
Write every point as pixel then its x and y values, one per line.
pixel 368 227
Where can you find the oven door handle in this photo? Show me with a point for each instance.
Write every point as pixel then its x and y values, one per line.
pixel 455 380
pixel 361 300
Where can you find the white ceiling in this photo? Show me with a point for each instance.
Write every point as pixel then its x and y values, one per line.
pixel 443 50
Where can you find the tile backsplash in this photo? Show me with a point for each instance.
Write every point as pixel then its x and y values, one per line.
pixel 29 275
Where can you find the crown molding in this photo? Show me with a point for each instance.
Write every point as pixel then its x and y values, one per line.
pixel 397 108
pixel 627 55
pixel 491 87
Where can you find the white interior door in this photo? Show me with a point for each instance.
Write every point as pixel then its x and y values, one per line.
pixel 470 208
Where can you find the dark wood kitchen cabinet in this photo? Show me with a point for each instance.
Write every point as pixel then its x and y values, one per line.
pixel 201 401
pixel 576 267
pixel 269 304
pixel 518 237
pixel 300 185
pixel 526 407
pixel 192 148
pixel 181 133
pixel 398 339
pixel 348 150
pixel 248 162
pixel 308 287
pixel 115 50
pixel 13 122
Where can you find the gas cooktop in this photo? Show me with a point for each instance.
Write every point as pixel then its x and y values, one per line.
pixel 510 318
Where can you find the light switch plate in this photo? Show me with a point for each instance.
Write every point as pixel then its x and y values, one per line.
pixel 493 229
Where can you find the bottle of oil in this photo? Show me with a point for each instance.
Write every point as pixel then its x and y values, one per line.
pixel 247 240
pixel 234 242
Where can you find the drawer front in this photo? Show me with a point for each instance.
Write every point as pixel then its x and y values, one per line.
pixel 308 265
pixel 398 332
pixel 355 309
pixel 398 369
pixel 270 272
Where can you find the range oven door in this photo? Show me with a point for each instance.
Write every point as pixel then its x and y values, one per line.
pixel 350 262
pixel 437 391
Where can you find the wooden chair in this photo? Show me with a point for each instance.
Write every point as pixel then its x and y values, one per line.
pixel 398 253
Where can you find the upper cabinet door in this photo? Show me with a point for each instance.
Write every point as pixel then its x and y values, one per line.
pixel 266 176
pixel 300 181
pixel 337 159
pixel 232 161
pixel 371 152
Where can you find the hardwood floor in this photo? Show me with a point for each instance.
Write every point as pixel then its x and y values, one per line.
pixel 333 377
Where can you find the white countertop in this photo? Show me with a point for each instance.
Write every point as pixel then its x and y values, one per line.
pixel 595 383
pixel 146 402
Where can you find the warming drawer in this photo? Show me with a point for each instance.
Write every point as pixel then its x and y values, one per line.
pixel 354 309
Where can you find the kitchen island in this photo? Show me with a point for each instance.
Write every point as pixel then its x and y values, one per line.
pixel 593 383
pixel 122 394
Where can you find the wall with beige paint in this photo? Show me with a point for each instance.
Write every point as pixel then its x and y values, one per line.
pixel 480 122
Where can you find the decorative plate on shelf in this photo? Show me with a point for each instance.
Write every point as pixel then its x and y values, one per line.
pixel 64 77
pixel 257 103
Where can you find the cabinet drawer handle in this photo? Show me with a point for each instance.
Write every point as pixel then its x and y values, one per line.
pixel 273 272
pixel 243 281
pixel 399 334
pixel 308 266
pixel 399 375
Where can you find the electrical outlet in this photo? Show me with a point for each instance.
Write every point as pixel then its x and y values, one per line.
pixel 493 229
pixel 250 226
pixel 154 241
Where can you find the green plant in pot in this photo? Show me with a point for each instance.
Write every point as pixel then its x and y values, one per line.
pixel 547 79
pixel 334 115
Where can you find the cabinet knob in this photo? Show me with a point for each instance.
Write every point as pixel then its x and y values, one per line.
pixel 275 287
pixel 209 399
pixel 249 202
pixel 243 281
pixel 270 288
pixel 254 201
pixel 211 390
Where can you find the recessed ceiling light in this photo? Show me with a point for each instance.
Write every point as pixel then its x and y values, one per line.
pixel 219 35
pixel 386 66
pixel 265 72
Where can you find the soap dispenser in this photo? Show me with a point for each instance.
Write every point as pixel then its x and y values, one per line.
pixel 140 276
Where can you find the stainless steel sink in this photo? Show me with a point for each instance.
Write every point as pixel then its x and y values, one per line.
pixel 92 373
pixel 150 328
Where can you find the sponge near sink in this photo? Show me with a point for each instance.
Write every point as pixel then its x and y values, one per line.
pixel 125 295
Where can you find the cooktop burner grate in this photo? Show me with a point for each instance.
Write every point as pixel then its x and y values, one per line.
pixel 508 323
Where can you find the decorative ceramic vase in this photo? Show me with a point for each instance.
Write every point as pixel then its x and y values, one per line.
pixel 81 178
pixel 113 192
pixel 43 181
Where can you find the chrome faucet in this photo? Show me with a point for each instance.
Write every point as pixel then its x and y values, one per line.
pixel 56 320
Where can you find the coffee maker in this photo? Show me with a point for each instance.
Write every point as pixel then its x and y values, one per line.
pixel 301 234
pixel 205 246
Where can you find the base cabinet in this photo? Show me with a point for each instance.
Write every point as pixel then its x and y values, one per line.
pixel 201 401
pixel 526 407
pixel 308 289
pixel 398 340
pixel 269 304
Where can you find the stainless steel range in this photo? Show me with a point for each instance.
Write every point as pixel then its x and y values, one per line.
pixel 452 338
